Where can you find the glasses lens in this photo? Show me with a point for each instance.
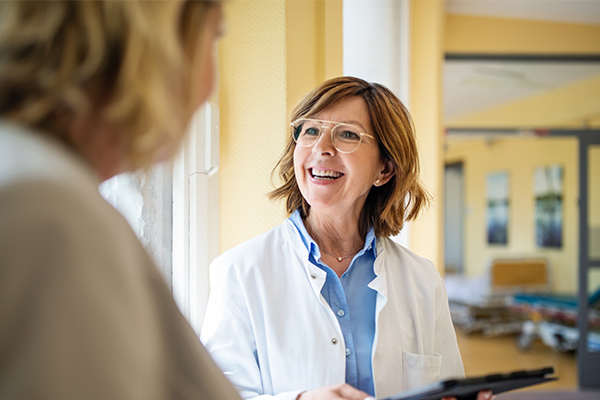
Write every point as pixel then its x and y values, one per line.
pixel 346 138
pixel 306 132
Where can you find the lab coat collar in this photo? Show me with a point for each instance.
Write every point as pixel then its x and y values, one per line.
pixel 316 275
pixel 379 283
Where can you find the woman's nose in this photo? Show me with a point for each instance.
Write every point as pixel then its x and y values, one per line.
pixel 324 144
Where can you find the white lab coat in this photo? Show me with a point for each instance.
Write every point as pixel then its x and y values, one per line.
pixel 271 331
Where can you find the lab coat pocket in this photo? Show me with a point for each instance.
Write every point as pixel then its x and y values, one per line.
pixel 419 370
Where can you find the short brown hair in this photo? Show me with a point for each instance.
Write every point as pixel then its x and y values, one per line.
pixel 133 60
pixel 387 206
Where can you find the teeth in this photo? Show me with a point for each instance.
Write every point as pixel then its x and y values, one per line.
pixel 325 174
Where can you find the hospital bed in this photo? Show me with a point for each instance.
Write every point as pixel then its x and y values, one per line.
pixel 553 319
pixel 482 303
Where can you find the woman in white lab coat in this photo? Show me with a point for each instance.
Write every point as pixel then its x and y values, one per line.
pixel 326 305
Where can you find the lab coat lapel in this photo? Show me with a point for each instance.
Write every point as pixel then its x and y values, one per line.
pixel 315 275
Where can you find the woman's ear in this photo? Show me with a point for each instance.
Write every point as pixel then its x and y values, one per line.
pixel 388 171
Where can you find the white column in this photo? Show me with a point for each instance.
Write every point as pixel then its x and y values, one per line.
pixel 376 49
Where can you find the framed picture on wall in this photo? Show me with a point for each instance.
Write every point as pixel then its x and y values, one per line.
pixel 548 188
pixel 497 207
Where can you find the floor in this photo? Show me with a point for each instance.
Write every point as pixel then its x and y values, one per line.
pixel 499 354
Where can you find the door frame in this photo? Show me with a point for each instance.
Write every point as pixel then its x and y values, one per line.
pixel 588 363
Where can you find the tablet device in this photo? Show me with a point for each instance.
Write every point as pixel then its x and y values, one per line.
pixel 465 389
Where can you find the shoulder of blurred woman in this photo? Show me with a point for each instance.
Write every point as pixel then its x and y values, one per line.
pixel 29 157
pixel 55 222
pixel 52 194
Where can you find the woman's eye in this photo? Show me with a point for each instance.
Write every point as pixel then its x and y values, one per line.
pixel 312 131
pixel 349 135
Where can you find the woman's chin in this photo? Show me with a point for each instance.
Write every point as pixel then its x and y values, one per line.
pixel 326 205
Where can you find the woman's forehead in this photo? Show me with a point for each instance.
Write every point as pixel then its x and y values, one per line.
pixel 352 110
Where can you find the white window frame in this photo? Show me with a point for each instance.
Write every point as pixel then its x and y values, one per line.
pixel 196 213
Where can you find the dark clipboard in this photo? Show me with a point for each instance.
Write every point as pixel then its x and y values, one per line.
pixel 467 389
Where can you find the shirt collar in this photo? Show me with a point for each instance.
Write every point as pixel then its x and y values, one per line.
pixel 313 248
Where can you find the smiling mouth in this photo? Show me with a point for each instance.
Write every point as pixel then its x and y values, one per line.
pixel 325 174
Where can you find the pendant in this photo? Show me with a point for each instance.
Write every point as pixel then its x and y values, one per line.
pixel 339 259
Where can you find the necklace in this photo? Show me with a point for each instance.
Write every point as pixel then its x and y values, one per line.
pixel 338 257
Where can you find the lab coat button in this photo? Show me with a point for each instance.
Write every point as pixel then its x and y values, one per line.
pixel 334 341
pixel 313 276
pixel 341 313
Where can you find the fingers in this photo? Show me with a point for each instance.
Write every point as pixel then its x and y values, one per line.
pixel 348 392
pixel 482 395
pixel 485 395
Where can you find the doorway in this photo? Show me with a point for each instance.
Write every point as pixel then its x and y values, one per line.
pixel 453 219
pixel 519 115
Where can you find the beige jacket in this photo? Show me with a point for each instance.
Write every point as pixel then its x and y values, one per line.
pixel 84 313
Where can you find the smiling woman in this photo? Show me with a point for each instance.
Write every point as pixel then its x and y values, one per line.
pixel 355 172
pixel 387 126
pixel 326 305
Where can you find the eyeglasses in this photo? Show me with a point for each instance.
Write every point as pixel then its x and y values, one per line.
pixel 345 137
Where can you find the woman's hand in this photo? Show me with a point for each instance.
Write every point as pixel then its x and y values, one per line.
pixel 333 392
pixel 482 395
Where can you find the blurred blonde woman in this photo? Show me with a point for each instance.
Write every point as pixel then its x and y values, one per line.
pixel 90 89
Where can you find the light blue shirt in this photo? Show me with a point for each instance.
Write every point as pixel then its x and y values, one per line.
pixel 353 302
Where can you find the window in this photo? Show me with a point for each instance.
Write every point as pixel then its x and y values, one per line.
pixel 173 209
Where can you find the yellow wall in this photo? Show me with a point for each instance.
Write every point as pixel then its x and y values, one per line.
pixel 483 35
pixel 252 96
pixel 314 45
pixel 427 28
pixel 519 157
pixel 273 53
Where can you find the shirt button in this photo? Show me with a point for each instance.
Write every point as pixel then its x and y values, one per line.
pixel 347 352
pixel 334 341
pixel 341 313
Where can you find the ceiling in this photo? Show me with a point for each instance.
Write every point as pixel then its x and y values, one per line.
pixel 472 87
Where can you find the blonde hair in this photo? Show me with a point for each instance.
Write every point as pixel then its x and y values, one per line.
pixel 387 206
pixel 133 60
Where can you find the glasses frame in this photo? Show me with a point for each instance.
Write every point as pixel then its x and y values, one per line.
pixel 335 125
